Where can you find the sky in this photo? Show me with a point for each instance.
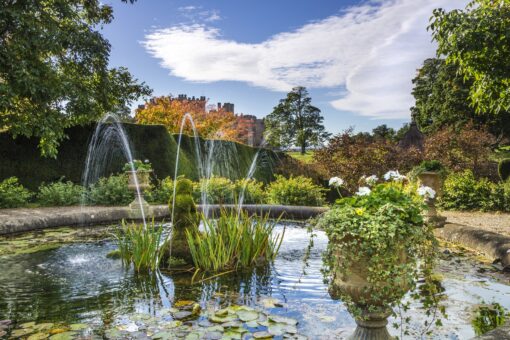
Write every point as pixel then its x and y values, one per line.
pixel 356 58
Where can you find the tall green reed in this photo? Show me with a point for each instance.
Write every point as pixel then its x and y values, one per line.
pixel 139 245
pixel 234 240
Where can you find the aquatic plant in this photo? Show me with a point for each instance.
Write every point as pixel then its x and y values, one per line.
pixel 489 317
pixel 139 245
pixel 234 240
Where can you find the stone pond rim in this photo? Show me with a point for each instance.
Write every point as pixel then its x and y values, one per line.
pixel 13 221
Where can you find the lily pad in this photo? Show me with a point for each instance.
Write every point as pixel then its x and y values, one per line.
pixel 247 315
pixel 78 326
pixel 172 324
pixel 262 335
pixel 21 332
pixel 27 324
pixel 38 336
pixel 183 315
pixel 63 336
pixel 252 324
pixel 276 329
pixel 222 319
pixel 58 330
pixel 183 303
pixel 43 326
pixel 163 335
pixel 282 319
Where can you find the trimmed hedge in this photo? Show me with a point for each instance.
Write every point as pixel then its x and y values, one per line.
pixel 504 169
pixel 21 157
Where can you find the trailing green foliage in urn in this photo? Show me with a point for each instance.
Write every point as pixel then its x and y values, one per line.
pixel 376 240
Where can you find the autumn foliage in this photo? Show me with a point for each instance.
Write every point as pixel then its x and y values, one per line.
pixel 168 111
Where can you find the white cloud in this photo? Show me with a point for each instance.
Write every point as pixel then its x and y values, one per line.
pixel 373 50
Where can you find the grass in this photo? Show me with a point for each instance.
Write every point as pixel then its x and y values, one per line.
pixel 139 245
pixel 306 158
pixel 501 153
pixel 233 241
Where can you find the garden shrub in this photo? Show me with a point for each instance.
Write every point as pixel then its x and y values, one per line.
pixel 111 191
pixel 504 169
pixel 295 191
pixel 350 155
pixel 60 194
pixel 13 194
pixel 219 190
pixel 253 191
pixel 160 193
pixel 462 191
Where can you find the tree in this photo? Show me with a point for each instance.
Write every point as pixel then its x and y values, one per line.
pixel 384 132
pixel 442 99
pixel 169 111
pixel 477 40
pixel 54 69
pixel 295 121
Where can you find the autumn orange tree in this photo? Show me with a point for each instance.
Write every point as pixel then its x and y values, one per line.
pixel 168 111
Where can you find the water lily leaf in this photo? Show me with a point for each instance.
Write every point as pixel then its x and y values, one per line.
pixel 27 324
pixel 43 326
pixel 172 324
pixel 221 312
pixel 183 303
pixel 216 328
pixel 130 327
pixel 230 334
pixel 113 333
pixel 252 324
pixel 58 330
pixel 78 326
pixel 247 315
pixel 282 319
pixel 21 332
pixel 193 336
pixel 163 335
pixel 262 335
pixel 271 303
pixel 232 324
pixel 38 336
pixel 183 315
pixel 276 329
pixel 222 319
pixel 63 336
pixel 213 336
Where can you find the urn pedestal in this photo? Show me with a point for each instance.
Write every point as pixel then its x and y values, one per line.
pixel 373 320
pixel 139 207
pixel 433 180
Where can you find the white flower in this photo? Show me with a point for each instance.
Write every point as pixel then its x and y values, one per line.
pixel 394 175
pixel 426 192
pixel 363 191
pixel 371 180
pixel 146 161
pixel 336 182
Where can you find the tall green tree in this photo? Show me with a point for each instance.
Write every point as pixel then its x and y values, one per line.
pixel 54 68
pixel 442 99
pixel 295 121
pixel 477 40
pixel 384 132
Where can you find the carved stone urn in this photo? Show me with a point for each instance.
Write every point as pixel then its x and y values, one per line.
pixel 373 319
pixel 433 180
pixel 139 204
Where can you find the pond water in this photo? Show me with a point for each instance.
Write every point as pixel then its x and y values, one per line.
pixel 77 284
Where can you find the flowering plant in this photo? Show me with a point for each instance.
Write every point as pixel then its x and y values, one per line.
pixel 138 165
pixel 382 228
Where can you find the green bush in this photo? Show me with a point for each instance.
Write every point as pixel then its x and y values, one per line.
pixel 111 191
pixel 160 193
pixel 219 190
pixel 253 191
pixel 13 194
pixel 60 194
pixel 504 169
pixel 295 191
pixel 428 165
pixel 462 191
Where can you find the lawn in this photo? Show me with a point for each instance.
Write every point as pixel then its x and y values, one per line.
pixel 306 158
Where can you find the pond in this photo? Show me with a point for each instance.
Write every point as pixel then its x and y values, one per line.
pixel 75 288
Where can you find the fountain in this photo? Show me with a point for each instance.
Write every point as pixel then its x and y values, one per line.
pixel 108 137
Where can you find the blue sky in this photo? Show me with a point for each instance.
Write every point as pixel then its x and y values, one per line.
pixel 357 58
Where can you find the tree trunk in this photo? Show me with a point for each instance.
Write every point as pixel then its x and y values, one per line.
pixel 303 149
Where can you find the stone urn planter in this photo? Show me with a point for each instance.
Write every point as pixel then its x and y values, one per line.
pixel 139 207
pixel 373 311
pixel 433 180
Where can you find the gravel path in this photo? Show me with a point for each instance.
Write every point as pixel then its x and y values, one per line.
pixel 496 222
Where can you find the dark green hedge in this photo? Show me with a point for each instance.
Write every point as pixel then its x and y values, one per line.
pixel 21 157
